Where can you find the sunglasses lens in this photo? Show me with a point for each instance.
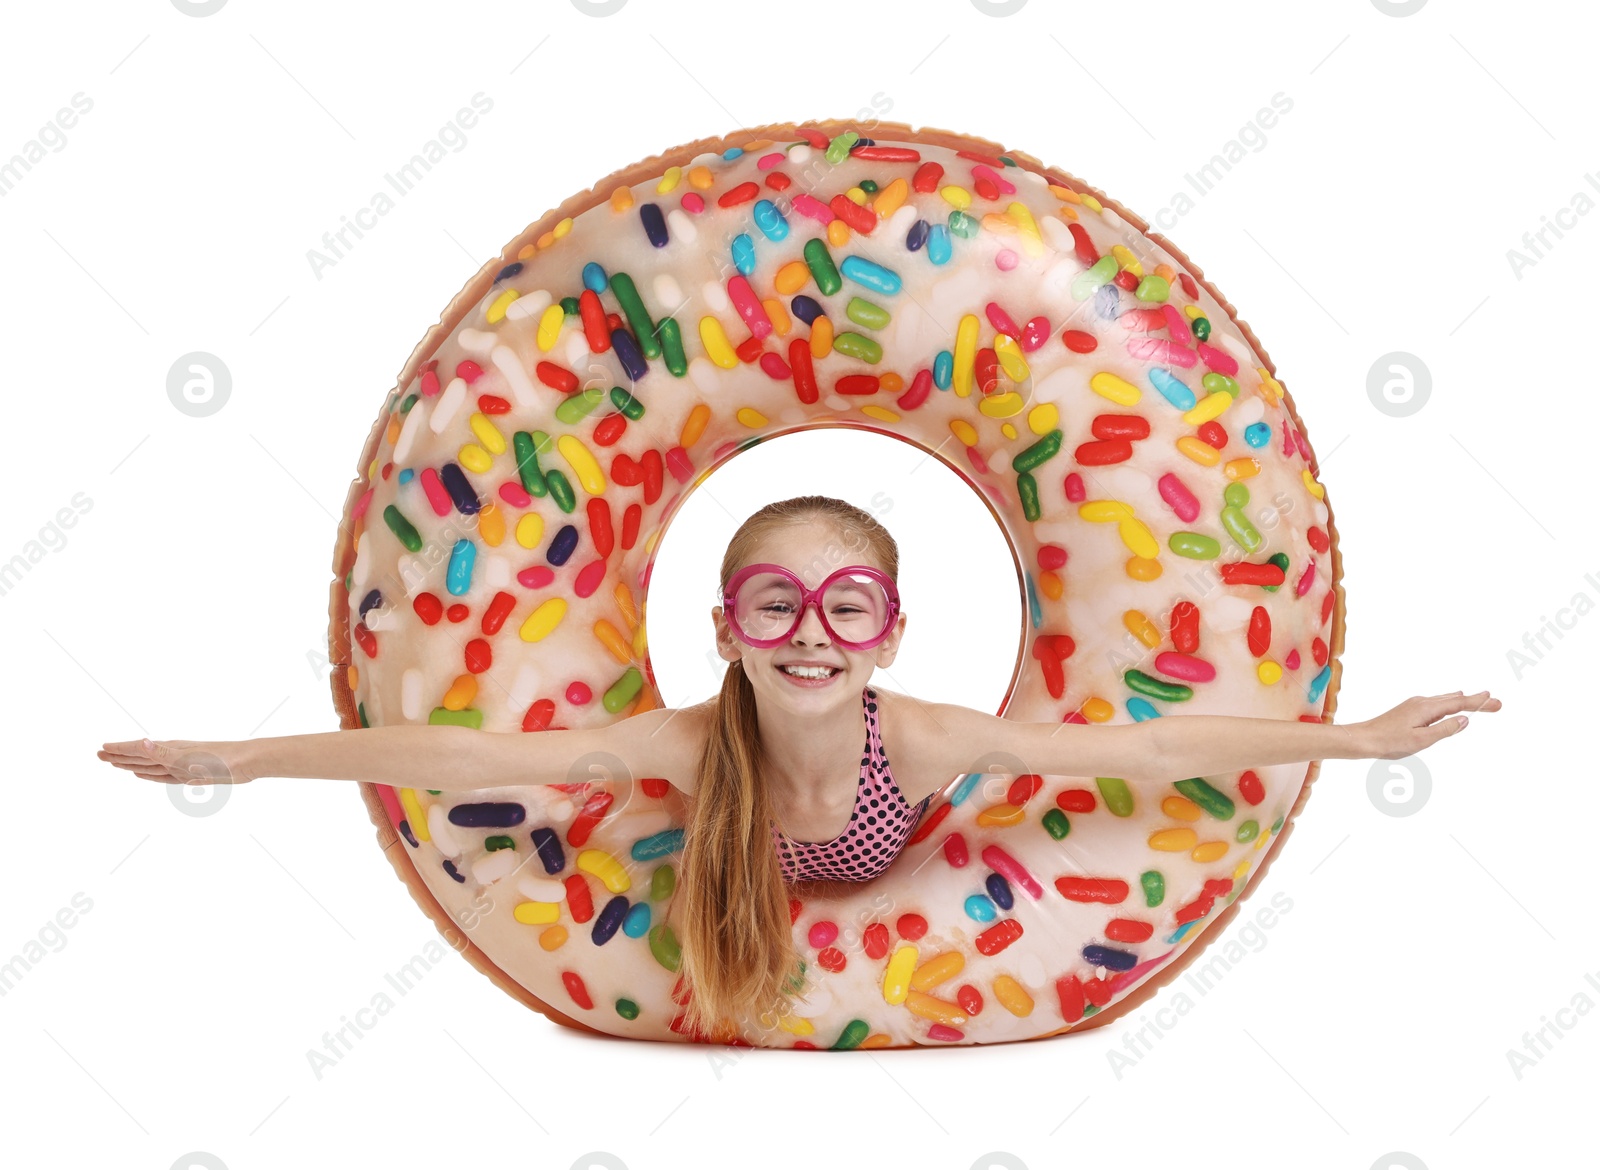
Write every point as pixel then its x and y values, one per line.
pixel 856 605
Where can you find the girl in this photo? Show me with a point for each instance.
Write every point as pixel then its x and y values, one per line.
pixel 787 771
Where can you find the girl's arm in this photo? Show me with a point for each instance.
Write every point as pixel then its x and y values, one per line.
pixel 446 758
pixel 959 739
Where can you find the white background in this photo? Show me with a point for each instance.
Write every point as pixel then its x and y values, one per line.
pixel 1372 1017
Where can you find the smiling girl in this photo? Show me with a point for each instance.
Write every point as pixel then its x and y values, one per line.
pixel 787 770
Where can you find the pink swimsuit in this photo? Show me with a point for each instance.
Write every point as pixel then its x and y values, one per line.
pixel 880 824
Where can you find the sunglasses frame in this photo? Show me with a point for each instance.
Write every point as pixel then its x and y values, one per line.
pixel 809 597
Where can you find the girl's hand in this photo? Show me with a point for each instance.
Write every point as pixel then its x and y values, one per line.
pixel 178 761
pixel 1420 722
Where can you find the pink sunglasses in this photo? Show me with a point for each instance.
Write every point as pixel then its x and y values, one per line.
pixel 736 617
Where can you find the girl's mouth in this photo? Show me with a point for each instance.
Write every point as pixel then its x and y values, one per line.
pixel 809 676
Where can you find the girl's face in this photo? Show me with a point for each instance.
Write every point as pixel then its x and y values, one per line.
pixel 810 550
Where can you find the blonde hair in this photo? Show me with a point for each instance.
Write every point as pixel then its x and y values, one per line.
pixel 739 964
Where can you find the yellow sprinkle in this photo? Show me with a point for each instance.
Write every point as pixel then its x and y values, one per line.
pixel 1166 272
pixel 966 353
pixel 1141 627
pixel 1044 418
pixel 543 619
pixel 1126 260
pixel 562 228
pixel 605 867
pixel 1011 359
pixel 497 307
pixel 1012 995
pixel 530 530
pixel 751 417
pixel 550 322
pixel 964 432
pixel 945 965
pixel 1137 537
pixel 1065 194
pixel 857 196
pixel 694 426
pixel 611 638
pixel 391 432
pixel 797 1026
pixel 838 233
pixel 1268 671
pixel 623 596
pixel 998 224
pixel 890 198
pixel 1243 867
pixel 1198 451
pixel 1104 511
pixel 880 413
pixel 958 197
pixel 821 338
pixel 552 939
pixel 669 180
pixel 1032 242
pixel 536 913
pixel 492 525
pixel 1091 202
pixel 621 199
pixel 1270 387
pixel 583 464
pixel 414 814
pixel 1108 385
pixel 1009 431
pixel 1312 485
pixel 1210 851
pixel 1002 406
pixel 897 975
pixel 1003 815
pixel 1051 584
pixel 1193 312
pixel 488 434
pixel 461 693
pixel 1172 840
pixel 939 1010
pixel 791 278
pixel 1243 467
pixel 1097 710
pixel 475 458
pixel 1208 408
pixel 716 343
pixel 1181 808
pixel 700 178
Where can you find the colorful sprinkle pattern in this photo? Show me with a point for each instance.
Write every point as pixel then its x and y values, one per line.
pixel 1145 463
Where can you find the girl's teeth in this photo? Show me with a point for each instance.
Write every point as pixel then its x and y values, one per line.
pixel 809 671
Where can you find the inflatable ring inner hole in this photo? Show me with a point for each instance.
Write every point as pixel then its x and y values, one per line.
pixel 960 577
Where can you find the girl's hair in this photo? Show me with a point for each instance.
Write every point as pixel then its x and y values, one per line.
pixel 738 959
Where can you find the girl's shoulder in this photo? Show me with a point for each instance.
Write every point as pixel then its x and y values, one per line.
pixel 908 727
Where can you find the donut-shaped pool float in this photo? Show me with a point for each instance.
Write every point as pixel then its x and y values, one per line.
pixel 1175 553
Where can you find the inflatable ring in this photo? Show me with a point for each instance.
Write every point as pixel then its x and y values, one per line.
pixel 1175 554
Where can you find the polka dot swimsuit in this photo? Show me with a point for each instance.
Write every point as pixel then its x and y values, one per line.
pixel 880 824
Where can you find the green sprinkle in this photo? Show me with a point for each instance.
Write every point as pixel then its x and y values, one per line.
pixel 672 347
pixel 499 841
pixel 852 1036
pixel 561 490
pixel 869 186
pixel 840 147
pixel 1239 527
pixel 627 1009
pixel 577 405
pixel 638 317
pixel 624 690
pixel 1208 798
pixel 569 306
pixel 627 403
pixel 1236 495
pixel 963 225
pixel 856 346
pixel 1151 687
pixel 823 270
pixel 664 946
pixel 1155 887
pixel 1115 792
pixel 1248 831
pixel 1038 452
pixel 1201 327
pixel 408 403
pixel 525 449
pixel 1028 493
pixel 1153 288
pixel 402 528
pixel 1216 383
pixel 1197 546
pixel 1056 824
pixel 443 716
pixel 361 714
pixel 662 882
pixel 866 314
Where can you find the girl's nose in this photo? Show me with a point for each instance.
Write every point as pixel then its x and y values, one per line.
pixel 811 627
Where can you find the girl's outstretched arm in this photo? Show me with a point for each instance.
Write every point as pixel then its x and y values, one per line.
pixel 446 758
pixel 960 739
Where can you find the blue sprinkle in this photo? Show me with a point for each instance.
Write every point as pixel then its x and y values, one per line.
pixel 1258 434
pixel 594 278
pixel 607 921
pixel 371 601
pixel 1319 683
pixel 732 152
pixel 462 494
pixel 1000 890
pixel 1035 614
pixel 1174 391
pixel 508 271
pixel 628 354
pixel 917 236
pixel 406 476
pixel 771 221
pixel 1110 958
pixel 939 243
pixel 458 578
pixel 551 855
pixel 659 845
pixel 1177 935
pixel 494 814
pixel 744 253
pixel 637 923
pixel 655 225
pixel 450 868
pixel 805 308
pixel 1141 709
pixel 944 368
pixel 1107 300
pixel 411 838
pixel 980 909
pixel 964 789
pixel 870 275
pixel 563 545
